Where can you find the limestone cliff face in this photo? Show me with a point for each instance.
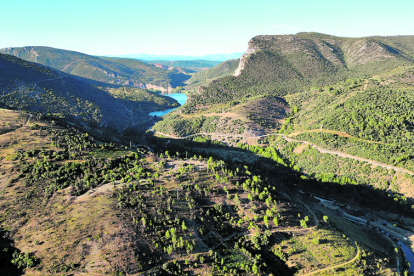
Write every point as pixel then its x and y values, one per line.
pixel 250 50
pixel 319 48
pixel 27 53
pixel 156 87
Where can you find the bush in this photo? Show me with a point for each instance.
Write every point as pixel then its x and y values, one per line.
pixel 24 260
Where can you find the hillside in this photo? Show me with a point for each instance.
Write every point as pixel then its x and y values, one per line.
pixel 367 117
pixel 125 72
pixel 30 86
pixel 275 66
pixel 189 65
pixel 295 160
pixel 204 77
pixel 281 65
pixel 211 57
pixel 74 205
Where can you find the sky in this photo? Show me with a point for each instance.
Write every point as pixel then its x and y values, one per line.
pixel 190 27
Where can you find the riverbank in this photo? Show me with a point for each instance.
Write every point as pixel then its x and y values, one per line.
pixel 181 98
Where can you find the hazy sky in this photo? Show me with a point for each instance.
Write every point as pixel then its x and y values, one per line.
pixel 190 27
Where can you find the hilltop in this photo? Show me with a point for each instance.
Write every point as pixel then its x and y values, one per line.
pixel 125 72
pixel 281 65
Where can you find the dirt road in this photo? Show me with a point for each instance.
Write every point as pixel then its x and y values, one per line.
pixel 345 155
pixel 321 150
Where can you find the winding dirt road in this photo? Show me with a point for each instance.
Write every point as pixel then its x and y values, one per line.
pixel 28 119
pixel 335 266
pixel 345 155
pixel 35 84
pixel 321 150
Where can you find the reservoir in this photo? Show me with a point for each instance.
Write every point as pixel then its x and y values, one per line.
pixel 180 97
pixel 408 256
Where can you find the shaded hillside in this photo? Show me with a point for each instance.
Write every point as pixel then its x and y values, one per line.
pixel 221 70
pixel 126 72
pixel 30 86
pixel 280 65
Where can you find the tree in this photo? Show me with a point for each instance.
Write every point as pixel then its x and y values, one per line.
pixel 184 227
pixel 250 197
pixel 255 270
pixel 303 223
pixel 266 221
pixel 236 199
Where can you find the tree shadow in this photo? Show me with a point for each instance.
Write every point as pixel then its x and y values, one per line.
pixel 6 255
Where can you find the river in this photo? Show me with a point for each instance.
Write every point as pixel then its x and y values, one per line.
pixel 408 256
pixel 180 97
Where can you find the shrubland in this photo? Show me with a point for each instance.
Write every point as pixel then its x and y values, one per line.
pixel 74 204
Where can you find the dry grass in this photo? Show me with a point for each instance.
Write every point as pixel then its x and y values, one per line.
pixel 65 232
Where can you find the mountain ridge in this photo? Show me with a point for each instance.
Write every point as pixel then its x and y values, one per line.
pixel 124 72
pixel 347 52
pixel 285 64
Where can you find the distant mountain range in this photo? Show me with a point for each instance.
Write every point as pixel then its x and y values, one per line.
pixel 212 57
pixel 190 66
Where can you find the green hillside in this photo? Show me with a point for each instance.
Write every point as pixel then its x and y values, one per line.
pixel 30 86
pixel 275 66
pixel 125 72
pixel 373 117
pixel 204 77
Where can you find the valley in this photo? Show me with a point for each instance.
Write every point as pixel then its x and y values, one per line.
pixel 202 230
pixel 179 97
pixel 295 159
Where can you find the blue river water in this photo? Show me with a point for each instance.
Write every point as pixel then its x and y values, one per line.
pixel 180 97
pixel 408 256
